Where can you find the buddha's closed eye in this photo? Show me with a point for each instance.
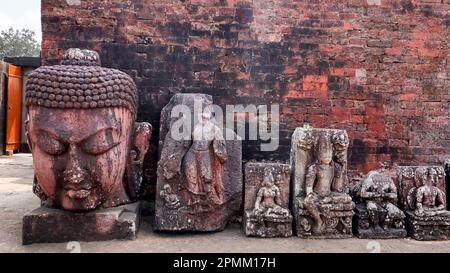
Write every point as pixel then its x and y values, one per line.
pixel 50 144
pixel 101 142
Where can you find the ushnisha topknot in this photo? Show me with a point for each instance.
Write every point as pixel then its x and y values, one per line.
pixel 80 83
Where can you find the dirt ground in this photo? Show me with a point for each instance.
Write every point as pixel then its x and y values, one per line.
pixel 16 199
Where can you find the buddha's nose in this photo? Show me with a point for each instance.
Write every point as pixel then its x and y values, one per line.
pixel 74 173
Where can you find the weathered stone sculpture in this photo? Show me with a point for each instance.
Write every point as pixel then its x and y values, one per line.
pixel 423 198
pixel 267 212
pixel 87 151
pixel 377 215
pixel 322 207
pixel 199 176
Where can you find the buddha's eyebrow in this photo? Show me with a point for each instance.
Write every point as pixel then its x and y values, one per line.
pixel 100 131
pixel 51 133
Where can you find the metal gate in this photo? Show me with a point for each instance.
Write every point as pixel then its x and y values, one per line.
pixel 14 109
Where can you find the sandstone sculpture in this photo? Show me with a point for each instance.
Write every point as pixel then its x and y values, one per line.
pixel 424 200
pixel 377 215
pixel 199 184
pixel 87 151
pixel 322 207
pixel 267 212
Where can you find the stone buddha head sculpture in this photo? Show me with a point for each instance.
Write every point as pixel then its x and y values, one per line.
pixel 83 135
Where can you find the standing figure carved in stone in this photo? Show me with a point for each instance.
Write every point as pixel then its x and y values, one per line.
pixel 203 162
pixel 199 185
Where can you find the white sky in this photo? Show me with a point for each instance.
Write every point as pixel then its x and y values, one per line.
pixel 21 14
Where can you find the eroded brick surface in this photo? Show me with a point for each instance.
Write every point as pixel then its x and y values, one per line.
pixel 377 69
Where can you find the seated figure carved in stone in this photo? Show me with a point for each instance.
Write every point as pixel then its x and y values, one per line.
pixel 429 199
pixel 267 200
pixel 323 206
pixel 378 215
pixel 268 203
pixel 425 203
pixel 87 149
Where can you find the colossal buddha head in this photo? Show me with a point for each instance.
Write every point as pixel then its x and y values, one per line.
pixel 86 147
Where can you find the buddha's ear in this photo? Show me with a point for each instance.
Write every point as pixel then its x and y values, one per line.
pixel 141 141
pixel 139 147
pixel 27 133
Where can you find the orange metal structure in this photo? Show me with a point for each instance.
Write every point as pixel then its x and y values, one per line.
pixel 14 109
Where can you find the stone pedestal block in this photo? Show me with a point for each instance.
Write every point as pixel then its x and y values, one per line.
pixel 364 230
pixel 423 228
pixel 46 225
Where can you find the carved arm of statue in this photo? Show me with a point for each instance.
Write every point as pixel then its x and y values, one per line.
pixel 391 193
pixel 278 200
pixel 310 179
pixel 259 198
pixel 440 200
pixel 419 200
pixel 219 146
pixel 367 193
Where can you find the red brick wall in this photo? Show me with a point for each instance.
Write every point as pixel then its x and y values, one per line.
pixel 379 69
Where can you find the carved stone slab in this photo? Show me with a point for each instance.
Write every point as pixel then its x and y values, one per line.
pixel 270 221
pixel 198 188
pixel 333 204
pixel 46 225
pixel 434 225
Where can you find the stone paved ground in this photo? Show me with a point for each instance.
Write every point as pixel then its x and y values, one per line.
pixel 16 199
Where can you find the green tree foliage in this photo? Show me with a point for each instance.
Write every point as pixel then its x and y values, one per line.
pixel 18 43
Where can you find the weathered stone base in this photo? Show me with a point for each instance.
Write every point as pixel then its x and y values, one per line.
pixel 45 225
pixel 268 228
pixel 183 219
pixel 433 228
pixel 362 229
pixel 337 222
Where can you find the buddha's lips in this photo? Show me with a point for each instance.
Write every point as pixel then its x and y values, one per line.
pixel 78 191
pixel 78 194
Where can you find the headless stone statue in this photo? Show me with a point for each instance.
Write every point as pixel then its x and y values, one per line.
pixel 377 216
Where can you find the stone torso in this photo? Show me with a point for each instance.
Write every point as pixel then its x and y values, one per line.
pixel 324 178
pixel 203 136
pixel 429 195
pixel 269 195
